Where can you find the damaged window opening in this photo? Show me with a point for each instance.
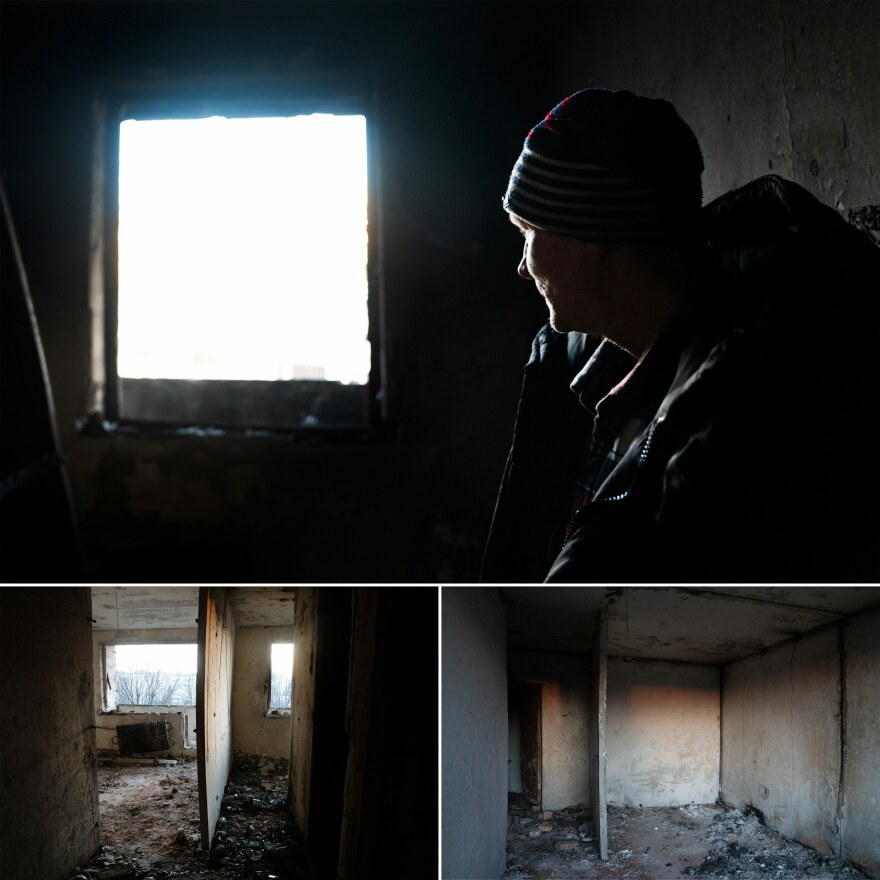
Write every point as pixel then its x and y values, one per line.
pixel 155 675
pixel 281 687
pixel 231 282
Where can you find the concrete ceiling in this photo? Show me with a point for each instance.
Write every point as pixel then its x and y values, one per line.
pixel 713 625
pixel 120 608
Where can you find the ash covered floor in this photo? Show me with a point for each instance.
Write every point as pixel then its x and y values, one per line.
pixel 150 825
pixel 653 843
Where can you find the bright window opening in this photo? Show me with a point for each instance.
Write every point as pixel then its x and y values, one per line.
pixel 282 676
pixel 243 249
pixel 155 675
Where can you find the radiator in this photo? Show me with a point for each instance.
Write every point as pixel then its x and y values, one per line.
pixel 152 736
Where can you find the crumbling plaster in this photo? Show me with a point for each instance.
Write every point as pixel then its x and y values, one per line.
pixel 253 731
pixel 663 733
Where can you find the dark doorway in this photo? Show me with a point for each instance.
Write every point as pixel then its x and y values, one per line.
pixel 524 703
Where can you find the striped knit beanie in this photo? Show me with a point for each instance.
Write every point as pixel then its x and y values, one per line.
pixel 610 166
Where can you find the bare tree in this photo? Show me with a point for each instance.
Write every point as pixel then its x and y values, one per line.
pixel 282 687
pixel 155 688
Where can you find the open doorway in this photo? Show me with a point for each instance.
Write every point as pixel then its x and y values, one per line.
pixel 146 738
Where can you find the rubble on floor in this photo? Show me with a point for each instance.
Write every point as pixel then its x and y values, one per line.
pixel 150 825
pixel 652 843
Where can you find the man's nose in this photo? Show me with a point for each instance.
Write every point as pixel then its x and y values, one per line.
pixel 521 269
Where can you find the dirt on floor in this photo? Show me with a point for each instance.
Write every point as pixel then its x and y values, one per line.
pixel 653 843
pixel 150 824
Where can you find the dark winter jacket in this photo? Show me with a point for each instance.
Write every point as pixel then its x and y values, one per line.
pixel 759 459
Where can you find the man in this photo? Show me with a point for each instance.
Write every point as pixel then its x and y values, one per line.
pixel 703 405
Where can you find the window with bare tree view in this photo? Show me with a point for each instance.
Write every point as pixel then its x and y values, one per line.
pixel 281 688
pixel 154 675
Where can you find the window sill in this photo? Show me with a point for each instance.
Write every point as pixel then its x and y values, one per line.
pixel 278 713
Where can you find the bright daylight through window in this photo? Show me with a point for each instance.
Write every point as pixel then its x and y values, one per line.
pixel 155 675
pixel 282 675
pixel 243 249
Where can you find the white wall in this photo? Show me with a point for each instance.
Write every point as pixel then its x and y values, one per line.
pixel 565 723
pixel 781 737
pixel 663 733
pixel 474 734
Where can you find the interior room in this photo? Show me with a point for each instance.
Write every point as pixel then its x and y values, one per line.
pixel 660 732
pixel 261 763
pixel 128 478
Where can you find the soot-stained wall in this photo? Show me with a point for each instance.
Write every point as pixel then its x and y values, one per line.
pixel 412 504
pixel 48 783
pixel 781 737
pixel 785 88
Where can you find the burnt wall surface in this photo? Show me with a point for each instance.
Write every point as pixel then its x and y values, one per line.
pixel 414 502
pixel 48 781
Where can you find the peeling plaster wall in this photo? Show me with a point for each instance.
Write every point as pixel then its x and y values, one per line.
pixel 780 737
pixel 663 733
pixel 860 820
pixel 789 88
pixel 565 723
pixel 214 735
pixel 48 783
pixel 252 730
pixel 474 734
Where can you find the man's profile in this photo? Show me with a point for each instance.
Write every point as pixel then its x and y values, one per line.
pixel 703 403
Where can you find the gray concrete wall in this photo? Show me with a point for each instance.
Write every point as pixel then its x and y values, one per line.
pixel 769 87
pixel 780 737
pixel 474 734
pixel 48 783
pixel 860 814
pixel 565 723
pixel 663 733
pixel 253 730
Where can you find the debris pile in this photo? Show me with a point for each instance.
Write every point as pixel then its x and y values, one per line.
pixel 150 826
pixel 742 846
pixel 653 843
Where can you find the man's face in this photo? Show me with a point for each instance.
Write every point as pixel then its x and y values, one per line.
pixel 568 274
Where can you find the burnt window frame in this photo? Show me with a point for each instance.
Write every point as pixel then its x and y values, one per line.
pixel 217 405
